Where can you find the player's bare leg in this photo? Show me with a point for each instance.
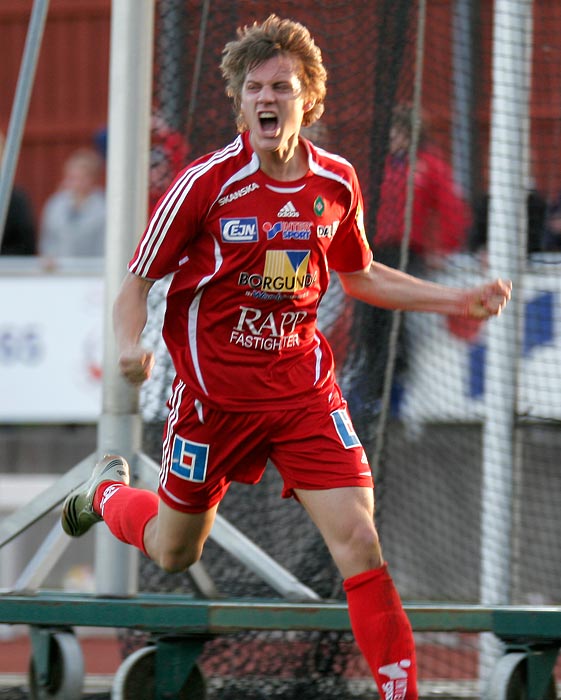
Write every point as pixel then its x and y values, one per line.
pixel 175 540
pixel 172 539
pixel 345 518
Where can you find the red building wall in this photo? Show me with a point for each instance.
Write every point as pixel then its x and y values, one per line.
pixel 70 95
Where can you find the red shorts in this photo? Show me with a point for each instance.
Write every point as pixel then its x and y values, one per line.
pixel 205 449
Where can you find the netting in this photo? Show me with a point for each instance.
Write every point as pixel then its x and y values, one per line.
pixel 418 386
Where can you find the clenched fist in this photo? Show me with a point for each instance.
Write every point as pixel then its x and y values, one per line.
pixel 487 300
pixel 136 364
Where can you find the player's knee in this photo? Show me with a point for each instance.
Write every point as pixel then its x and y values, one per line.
pixel 175 561
pixel 364 543
pixel 357 549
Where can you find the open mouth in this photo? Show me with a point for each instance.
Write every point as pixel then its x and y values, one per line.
pixel 269 122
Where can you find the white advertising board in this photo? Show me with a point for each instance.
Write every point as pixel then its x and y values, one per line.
pixel 51 331
pixel 51 345
pixel 446 373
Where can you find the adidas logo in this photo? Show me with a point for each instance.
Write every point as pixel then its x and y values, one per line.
pixel 289 210
pixel 110 491
pixel 396 687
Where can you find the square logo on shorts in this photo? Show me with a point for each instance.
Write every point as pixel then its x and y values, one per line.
pixel 189 460
pixel 345 429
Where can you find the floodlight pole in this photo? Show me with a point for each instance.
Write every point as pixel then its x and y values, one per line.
pixel 507 234
pixel 130 92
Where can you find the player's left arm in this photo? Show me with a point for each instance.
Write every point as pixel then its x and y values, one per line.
pixel 380 285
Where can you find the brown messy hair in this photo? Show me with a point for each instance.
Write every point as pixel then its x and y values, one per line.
pixel 260 42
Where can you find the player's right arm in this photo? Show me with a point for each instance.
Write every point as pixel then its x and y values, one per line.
pixel 380 285
pixel 129 318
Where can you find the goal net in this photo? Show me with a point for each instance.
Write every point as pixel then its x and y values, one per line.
pixel 458 162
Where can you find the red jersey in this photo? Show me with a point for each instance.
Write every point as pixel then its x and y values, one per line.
pixel 251 259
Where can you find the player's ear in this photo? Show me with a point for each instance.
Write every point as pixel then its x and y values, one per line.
pixel 310 104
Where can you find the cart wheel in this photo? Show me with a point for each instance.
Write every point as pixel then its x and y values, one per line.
pixel 66 670
pixel 508 681
pixel 135 677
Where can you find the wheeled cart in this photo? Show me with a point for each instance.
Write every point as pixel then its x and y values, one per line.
pixel 179 627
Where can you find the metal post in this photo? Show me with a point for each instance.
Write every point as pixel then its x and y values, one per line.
pixel 130 91
pixel 463 90
pixel 506 257
pixel 18 115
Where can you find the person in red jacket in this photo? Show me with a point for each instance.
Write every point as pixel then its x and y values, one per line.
pixel 169 151
pixel 440 221
pixel 440 215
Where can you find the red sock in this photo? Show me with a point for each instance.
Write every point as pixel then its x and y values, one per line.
pixel 383 633
pixel 126 511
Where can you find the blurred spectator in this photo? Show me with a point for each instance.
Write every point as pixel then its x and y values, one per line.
pixel 440 220
pixel 168 155
pixel 551 236
pixel 440 215
pixel 73 219
pixel 536 213
pixel 19 237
